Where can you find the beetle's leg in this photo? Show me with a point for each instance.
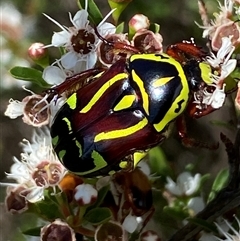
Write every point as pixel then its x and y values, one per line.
pixel 73 81
pixel 184 51
pixel 196 113
pixel 188 141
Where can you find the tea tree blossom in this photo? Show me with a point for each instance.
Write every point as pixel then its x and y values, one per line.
pixel 232 235
pixel 80 40
pixel 186 184
pixel 38 168
pixel 57 230
pixel 35 109
pixel 85 194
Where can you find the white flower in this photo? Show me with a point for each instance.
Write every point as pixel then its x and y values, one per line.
pixel 215 99
pixel 80 40
pixel 54 75
pixel 130 223
pixel 14 109
pixel 39 167
pixel 186 184
pixel 85 194
pixel 234 236
pixel 222 59
pixel 35 109
pixel 196 204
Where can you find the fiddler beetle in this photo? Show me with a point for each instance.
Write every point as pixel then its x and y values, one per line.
pixel 119 113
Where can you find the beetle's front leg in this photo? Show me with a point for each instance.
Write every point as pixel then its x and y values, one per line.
pixel 184 50
pixel 196 113
pixel 188 141
pixel 75 81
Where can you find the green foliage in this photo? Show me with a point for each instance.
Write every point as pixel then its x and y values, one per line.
pixel 29 74
pixel 95 16
pixel 219 183
pixel 97 216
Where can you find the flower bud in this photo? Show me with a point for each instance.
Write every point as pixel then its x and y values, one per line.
pixel 111 231
pixel 36 111
pixel 38 54
pixel 137 22
pixel 85 194
pixel 15 200
pixel 147 41
pixel 57 230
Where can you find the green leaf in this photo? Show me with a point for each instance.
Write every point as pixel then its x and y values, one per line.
pixel 95 15
pixel 176 212
pixel 154 27
pixel 101 195
pixel 219 182
pixel 203 223
pixel 97 216
pixel 120 28
pixel 29 74
pixel 158 162
pixel 119 6
pixel 33 231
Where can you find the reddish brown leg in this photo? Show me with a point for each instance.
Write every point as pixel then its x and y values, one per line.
pixel 77 79
pixel 180 51
pixel 191 142
pixel 195 113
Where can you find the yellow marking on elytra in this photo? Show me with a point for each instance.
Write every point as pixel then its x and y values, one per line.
pixel 55 140
pixel 162 81
pixel 125 102
pixel 79 147
pixel 99 163
pixel 101 91
pixel 122 132
pixel 144 94
pixel 123 164
pixel 68 123
pixel 72 101
pixel 110 173
pixel 61 154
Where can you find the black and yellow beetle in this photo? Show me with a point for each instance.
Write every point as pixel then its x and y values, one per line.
pixel 110 122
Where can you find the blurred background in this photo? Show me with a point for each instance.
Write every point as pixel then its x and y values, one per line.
pixel 23 23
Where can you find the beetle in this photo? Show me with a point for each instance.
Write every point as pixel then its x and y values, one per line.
pixel 121 112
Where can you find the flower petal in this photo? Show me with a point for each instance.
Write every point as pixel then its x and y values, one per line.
pixel 80 19
pixel 69 60
pixel 60 38
pixel 14 109
pixel 106 28
pixel 53 75
pixel 91 60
